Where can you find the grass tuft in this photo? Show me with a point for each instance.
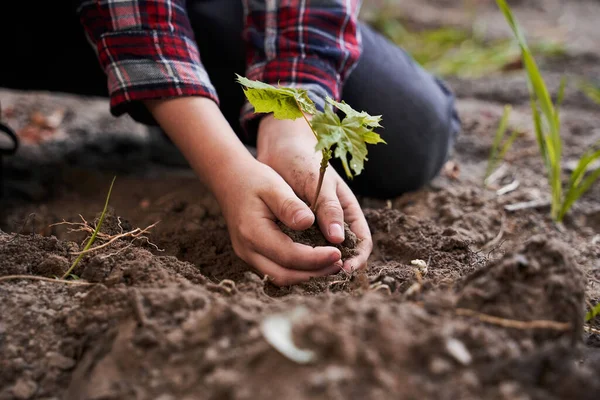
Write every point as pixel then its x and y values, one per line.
pixel 94 234
pixel 499 149
pixel 592 313
pixel 546 121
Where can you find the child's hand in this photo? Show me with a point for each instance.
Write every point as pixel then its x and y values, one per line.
pixel 251 201
pixel 289 148
pixel 251 195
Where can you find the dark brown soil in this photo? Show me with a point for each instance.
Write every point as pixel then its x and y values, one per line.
pixel 314 237
pixel 494 309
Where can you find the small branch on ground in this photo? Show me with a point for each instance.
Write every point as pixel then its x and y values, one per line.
pixel 516 324
pixel 135 234
pixel 42 278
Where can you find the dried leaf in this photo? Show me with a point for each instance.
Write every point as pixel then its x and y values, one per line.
pixel 277 330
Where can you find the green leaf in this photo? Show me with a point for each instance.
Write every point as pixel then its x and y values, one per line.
pixel 350 135
pixel 283 102
pixel 590 315
pixel 363 117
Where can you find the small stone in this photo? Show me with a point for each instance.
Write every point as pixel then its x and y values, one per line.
pixel 59 361
pixel 457 349
pixel 439 366
pixel 24 389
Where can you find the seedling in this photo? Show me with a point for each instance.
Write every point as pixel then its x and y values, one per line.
pixel 590 315
pixel 591 90
pixel 499 149
pixel 546 121
pixel 350 135
pixel 94 234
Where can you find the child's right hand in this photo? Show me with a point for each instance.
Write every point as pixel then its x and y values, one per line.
pixel 251 201
pixel 251 194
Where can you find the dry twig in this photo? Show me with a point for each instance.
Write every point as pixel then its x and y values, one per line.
pixel 42 278
pixel 589 329
pixel 516 324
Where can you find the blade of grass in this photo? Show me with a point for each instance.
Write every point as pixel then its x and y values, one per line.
pixel 493 159
pixel 592 313
pixel 513 136
pixel 575 192
pixel 93 237
pixel 590 90
pixel 552 148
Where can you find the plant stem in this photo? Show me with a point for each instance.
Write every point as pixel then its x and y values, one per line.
pixel 322 169
pixel 326 156
pixel 307 121
pixel 93 237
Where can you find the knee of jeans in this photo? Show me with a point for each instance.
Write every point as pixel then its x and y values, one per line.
pixel 412 166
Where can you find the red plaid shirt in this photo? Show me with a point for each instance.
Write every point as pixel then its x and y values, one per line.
pixel 147 48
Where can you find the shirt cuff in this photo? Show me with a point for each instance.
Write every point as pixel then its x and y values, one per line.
pixel 145 65
pixel 319 78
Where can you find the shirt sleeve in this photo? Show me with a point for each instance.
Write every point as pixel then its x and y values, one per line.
pixel 147 50
pixel 310 44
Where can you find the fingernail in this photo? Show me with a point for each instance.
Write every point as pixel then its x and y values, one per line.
pixel 300 216
pixel 335 257
pixel 336 231
pixel 339 264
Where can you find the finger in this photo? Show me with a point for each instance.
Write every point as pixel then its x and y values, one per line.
pixel 330 214
pixel 284 277
pixel 287 207
pixel 358 224
pixel 269 241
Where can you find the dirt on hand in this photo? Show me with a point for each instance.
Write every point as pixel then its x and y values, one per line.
pixel 314 237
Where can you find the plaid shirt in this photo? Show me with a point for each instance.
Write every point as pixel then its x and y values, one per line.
pixel 147 48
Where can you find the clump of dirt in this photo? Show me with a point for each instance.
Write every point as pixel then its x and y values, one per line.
pixel 314 237
pixel 538 270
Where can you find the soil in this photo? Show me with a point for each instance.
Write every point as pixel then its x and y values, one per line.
pixel 495 310
pixel 314 237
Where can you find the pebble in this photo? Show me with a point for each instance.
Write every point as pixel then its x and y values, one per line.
pixel 24 389
pixel 439 366
pixel 59 361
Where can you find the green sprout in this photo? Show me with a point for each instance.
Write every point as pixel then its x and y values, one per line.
pixel 499 149
pixel 546 121
pixel 591 91
pixel 590 315
pixel 350 135
pixel 93 237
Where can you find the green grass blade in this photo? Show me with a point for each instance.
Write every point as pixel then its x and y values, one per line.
pixel 579 171
pixel 93 237
pixel 576 191
pixel 560 97
pixel 552 144
pixel 592 313
pixel 493 159
pixel 590 90
pixel 508 144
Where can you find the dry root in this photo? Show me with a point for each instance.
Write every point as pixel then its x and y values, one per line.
pixel 135 234
pixel 516 324
pixel 42 278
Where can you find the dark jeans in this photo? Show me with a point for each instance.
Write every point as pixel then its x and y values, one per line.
pixel 419 116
